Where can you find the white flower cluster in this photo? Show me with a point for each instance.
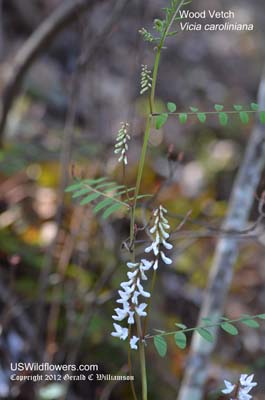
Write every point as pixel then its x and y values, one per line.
pixel 243 388
pixel 159 231
pixel 132 290
pixel 121 146
pixel 146 79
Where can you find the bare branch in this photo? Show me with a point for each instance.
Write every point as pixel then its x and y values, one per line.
pixel 37 42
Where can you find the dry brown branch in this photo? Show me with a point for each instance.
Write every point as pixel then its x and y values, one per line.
pixel 42 37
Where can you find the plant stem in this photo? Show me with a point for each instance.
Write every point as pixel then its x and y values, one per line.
pixel 130 369
pixel 138 185
pixel 142 359
pixel 149 302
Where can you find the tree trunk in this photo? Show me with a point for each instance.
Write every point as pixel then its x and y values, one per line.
pixel 225 256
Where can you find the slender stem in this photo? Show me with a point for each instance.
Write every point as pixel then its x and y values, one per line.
pixel 130 368
pixel 138 185
pixel 142 359
pixel 149 301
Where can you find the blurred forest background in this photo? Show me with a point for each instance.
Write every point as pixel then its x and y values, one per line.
pixel 61 266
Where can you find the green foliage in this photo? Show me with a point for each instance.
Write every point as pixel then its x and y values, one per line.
pixel 160 345
pixel 229 328
pixel 203 330
pixel 183 118
pixel 181 340
pixel 205 334
pixel 171 107
pixel 107 193
pixel 201 117
pixel 223 119
pixel 162 26
pixel 262 117
pixel 252 323
pixel 161 120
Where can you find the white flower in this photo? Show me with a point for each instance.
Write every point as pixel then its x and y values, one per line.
pixel 140 310
pixel 246 380
pixel 121 314
pixel 121 146
pixel 132 265
pixel 166 260
pixel 133 342
pixel 135 297
pixel 131 318
pixel 155 265
pixel 141 289
pixel 229 387
pixel 146 265
pixel 167 245
pixel 246 385
pixel 120 332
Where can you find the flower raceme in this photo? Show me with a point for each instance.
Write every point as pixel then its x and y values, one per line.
pixel 242 389
pixel 132 295
pixel 159 232
pixel 132 300
pixel 121 146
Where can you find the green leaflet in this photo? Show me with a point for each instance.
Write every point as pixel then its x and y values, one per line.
pixel 223 118
pixel 181 340
pixel 88 199
pixel 110 210
pixel 81 192
pixel 104 203
pixel 207 321
pixel 160 345
pixel 161 120
pixel 183 118
pixel 247 320
pixel 261 316
pixel 244 117
pixel 254 106
pixel 181 326
pixel 238 107
pixel 218 107
pixel 201 117
pixel 229 328
pixel 205 334
pixel 262 117
pixel 171 107
pixel 80 183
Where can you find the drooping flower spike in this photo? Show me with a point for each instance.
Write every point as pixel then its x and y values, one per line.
pixel 146 79
pixel 121 146
pixel 160 233
pixel 132 301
